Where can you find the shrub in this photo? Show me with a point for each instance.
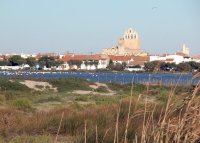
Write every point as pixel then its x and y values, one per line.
pixel 102 89
pixel 39 86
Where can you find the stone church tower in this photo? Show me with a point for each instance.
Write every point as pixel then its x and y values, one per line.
pixel 129 44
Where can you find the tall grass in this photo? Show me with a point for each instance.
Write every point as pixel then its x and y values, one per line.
pixel 131 120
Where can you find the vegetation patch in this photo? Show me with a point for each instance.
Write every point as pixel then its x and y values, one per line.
pixel 31 139
pixel 49 99
pixel 102 89
pixel 12 85
pixel 70 84
pixel 22 104
pixel 39 87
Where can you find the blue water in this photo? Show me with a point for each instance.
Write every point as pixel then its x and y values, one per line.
pixel 122 78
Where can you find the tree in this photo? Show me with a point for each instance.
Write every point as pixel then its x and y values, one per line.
pixel 31 61
pixel 48 62
pixel 16 60
pixel 167 66
pixel 150 66
pixel 124 65
pixel 75 62
pixel 111 65
pixel 57 63
pixel 118 67
pixel 194 65
pixel 4 63
pixel 184 67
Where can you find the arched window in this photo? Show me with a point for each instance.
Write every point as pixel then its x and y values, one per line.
pixel 135 36
pixel 131 36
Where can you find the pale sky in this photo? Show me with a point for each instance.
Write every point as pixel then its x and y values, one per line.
pixel 85 26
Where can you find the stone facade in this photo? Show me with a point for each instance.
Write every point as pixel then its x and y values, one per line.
pixel 128 45
pixel 185 50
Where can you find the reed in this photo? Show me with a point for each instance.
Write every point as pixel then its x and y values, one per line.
pixel 59 128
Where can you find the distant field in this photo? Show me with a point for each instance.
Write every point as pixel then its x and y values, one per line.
pixel 31 111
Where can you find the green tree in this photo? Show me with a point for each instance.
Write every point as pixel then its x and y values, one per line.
pixel 16 60
pixel 150 66
pixel 118 67
pixel 167 66
pixel 194 65
pixel 4 63
pixel 75 62
pixel 184 67
pixel 31 61
pixel 110 65
pixel 48 62
pixel 124 65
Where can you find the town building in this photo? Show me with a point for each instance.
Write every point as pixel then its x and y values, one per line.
pixel 88 62
pixel 129 44
pixel 177 58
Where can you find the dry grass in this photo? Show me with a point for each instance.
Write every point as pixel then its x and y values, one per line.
pixel 129 121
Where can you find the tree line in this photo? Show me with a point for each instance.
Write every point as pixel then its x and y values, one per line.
pixel 17 60
pixel 182 67
pixel 49 62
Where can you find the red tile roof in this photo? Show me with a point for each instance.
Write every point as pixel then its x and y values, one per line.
pixel 134 63
pixel 128 58
pixel 197 56
pixel 84 57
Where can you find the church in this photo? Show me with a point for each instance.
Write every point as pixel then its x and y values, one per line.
pixel 128 45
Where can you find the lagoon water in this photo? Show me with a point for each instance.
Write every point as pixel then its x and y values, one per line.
pixel 122 78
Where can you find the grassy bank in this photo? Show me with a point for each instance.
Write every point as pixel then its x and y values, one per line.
pixel 136 113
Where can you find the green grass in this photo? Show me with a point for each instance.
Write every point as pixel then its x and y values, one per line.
pixel 49 98
pixel 7 85
pixel 22 104
pixel 70 84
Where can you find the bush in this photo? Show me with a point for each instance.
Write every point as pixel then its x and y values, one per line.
pixel 39 86
pixel 101 89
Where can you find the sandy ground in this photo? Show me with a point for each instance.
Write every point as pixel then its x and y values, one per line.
pixel 95 86
pixel 83 92
pixel 41 85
